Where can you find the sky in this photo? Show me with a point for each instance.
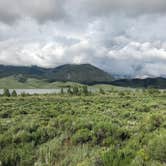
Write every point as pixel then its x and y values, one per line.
pixel 125 38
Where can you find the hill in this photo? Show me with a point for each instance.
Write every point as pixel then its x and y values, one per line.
pixel 38 77
pixel 33 83
pixel 83 73
pixel 141 83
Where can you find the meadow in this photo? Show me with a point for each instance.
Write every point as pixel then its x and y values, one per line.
pixel 106 128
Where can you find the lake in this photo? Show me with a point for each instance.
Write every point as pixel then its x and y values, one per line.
pixel 42 91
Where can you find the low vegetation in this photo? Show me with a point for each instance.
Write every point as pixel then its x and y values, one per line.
pixel 78 128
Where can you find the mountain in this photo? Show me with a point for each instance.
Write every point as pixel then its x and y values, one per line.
pixel 33 71
pixel 83 73
pixel 139 83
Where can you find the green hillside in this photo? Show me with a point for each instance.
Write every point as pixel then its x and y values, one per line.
pixel 84 73
pixel 37 77
pixel 13 83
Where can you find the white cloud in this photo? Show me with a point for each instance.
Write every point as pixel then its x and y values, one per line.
pixel 97 32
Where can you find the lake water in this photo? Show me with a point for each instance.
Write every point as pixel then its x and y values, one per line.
pixel 42 91
pixel 34 91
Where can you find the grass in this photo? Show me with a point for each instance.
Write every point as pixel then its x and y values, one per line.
pixel 13 83
pixel 115 128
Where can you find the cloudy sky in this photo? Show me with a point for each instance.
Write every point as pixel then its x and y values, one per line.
pixel 122 37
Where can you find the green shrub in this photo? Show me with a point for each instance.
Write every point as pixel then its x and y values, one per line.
pixel 115 157
pixel 123 134
pixel 6 114
pixel 5 140
pixel 49 153
pixel 22 136
pixel 102 131
pixel 43 134
pixel 82 136
pixel 121 93
pixel 20 155
pixel 157 148
pixel 155 121
pixel 101 91
pixel 143 108
pixel 81 124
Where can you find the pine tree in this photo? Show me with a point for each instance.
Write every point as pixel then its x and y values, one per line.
pixel 69 91
pixel 62 91
pixel 85 90
pixel 75 90
pixel 6 92
pixel 101 91
pixel 14 93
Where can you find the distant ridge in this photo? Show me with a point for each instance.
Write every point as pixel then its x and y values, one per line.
pixel 157 82
pixel 82 73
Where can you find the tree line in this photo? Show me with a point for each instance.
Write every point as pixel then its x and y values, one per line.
pixel 76 90
pixel 7 93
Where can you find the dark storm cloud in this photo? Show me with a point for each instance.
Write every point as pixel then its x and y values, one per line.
pixel 41 10
pixel 106 7
pixel 44 10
